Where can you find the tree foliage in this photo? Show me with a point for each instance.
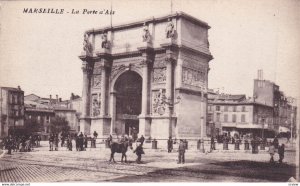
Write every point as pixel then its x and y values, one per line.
pixel 59 124
pixel 32 125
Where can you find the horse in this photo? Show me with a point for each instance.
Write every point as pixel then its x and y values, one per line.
pixel 121 147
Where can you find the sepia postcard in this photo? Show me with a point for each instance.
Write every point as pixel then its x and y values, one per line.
pixel 149 91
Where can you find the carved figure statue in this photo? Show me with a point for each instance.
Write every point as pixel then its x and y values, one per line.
pixel 96 107
pixel 87 46
pixel 105 42
pixel 146 34
pixel 158 102
pixel 170 31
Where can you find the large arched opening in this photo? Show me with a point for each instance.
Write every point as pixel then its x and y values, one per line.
pixel 128 89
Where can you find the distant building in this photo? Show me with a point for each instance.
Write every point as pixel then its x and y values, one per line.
pixel 284 108
pixel 44 109
pixel 235 114
pixel 43 114
pixel 11 110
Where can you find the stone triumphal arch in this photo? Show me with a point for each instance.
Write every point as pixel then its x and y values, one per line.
pixel 148 77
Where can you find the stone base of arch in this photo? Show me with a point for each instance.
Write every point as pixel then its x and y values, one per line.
pixel 145 126
pixel 102 126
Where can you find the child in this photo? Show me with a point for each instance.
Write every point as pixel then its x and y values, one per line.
pixel 139 151
pixel 272 152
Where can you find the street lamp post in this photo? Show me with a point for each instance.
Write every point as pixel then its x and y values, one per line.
pixel 171 105
pixel 263 128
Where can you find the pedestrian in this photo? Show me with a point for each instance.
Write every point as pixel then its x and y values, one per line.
pixel 272 152
pixel 170 144
pixel 77 142
pixel 81 141
pixel 56 141
pixel 181 152
pixel 51 141
pixel 62 138
pixel 142 139
pixel 212 143
pixel 69 143
pixel 139 151
pixel 95 134
pixel 281 152
pixel 275 142
pixel 85 141
pixel 9 144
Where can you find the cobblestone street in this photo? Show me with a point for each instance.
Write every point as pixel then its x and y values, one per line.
pixel 92 165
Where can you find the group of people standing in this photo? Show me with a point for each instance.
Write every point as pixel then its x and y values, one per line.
pixel 181 149
pixel 21 143
pixel 275 147
pixel 81 142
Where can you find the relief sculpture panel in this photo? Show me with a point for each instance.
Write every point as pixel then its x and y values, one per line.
pixel 96 104
pixel 193 77
pixel 159 75
pixel 97 81
pixel 158 104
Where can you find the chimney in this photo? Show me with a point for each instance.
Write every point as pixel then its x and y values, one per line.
pixel 19 87
pixel 56 98
pixel 50 102
pixel 59 99
pixel 72 96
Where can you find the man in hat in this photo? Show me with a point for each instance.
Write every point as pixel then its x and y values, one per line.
pixel 170 144
pixel 181 152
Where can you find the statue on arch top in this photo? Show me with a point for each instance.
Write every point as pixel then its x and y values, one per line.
pixel 146 33
pixel 87 46
pixel 105 42
pixel 170 30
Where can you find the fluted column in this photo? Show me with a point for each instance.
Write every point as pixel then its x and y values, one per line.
pixel 103 91
pixel 86 69
pixel 145 89
pixel 169 69
pixel 113 112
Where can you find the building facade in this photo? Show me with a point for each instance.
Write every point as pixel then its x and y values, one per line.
pixel 11 110
pixel 43 110
pixel 235 114
pixel 284 107
pixel 150 76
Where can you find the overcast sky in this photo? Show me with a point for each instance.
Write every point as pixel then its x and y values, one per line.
pixel 40 52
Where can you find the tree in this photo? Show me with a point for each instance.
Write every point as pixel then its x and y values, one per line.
pixel 32 125
pixel 59 124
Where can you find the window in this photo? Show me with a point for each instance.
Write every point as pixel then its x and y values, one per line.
pixel 226 108
pixel 243 119
pixel 210 117
pixel 218 117
pixel 234 118
pixel 234 108
pixel 47 119
pixel 243 109
pixel 225 118
pixel 217 108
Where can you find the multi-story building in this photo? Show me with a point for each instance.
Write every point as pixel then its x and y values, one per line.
pixel 284 108
pixel 11 110
pixel 235 114
pixel 41 114
pixel 44 109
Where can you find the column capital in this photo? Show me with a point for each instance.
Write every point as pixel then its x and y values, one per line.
pixel 86 67
pixel 105 63
pixel 146 61
pixel 170 59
